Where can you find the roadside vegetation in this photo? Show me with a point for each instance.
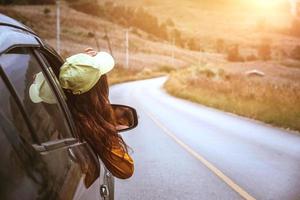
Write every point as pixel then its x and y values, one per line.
pixel 121 74
pixel 273 102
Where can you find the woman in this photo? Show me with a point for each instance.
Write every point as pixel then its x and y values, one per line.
pixel 83 76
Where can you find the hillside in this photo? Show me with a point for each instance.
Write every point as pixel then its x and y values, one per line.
pixel 80 30
pixel 235 21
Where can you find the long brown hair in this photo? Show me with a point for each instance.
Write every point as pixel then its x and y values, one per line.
pixel 94 117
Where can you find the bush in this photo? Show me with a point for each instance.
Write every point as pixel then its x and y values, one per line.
pixel 251 57
pixel 165 68
pixel 46 11
pixel 91 34
pixel 193 45
pixel 209 73
pixel 233 54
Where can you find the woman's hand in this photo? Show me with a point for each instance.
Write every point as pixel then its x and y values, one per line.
pixel 90 51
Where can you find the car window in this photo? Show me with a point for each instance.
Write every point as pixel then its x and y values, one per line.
pixel 22 171
pixel 36 94
pixel 10 110
pixel 53 65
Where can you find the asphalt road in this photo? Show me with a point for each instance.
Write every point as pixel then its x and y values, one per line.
pixel 187 151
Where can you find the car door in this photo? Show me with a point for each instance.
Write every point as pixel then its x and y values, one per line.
pixel 72 167
pixel 53 61
pixel 23 174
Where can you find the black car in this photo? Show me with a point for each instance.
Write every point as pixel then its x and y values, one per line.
pixel 40 154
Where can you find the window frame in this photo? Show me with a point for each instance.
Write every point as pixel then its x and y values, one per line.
pixel 57 90
pixel 62 106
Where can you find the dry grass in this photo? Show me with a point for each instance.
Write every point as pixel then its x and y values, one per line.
pixel 121 74
pixel 291 63
pixel 276 103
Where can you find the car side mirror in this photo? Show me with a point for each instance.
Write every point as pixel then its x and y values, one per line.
pixel 126 117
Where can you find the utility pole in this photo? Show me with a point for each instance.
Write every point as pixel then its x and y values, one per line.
pixel 127 48
pixel 58 26
pixel 108 42
pixel 96 40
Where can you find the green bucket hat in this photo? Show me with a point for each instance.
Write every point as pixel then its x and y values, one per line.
pixel 81 72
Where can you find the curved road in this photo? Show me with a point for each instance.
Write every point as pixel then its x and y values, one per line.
pixel 187 151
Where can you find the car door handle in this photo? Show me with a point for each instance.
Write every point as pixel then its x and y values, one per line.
pixel 56 144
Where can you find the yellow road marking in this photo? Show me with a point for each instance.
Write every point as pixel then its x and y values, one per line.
pixel 210 166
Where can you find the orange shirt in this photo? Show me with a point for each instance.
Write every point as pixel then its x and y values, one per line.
pixel 118 162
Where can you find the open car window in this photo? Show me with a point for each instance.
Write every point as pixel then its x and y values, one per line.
pixel 24 71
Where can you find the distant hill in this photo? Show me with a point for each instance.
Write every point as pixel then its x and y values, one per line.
pixel 80 30
pixel 204 4
pixel 235 21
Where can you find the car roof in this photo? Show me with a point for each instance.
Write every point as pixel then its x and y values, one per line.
pixel 10 21
pixel 14 33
